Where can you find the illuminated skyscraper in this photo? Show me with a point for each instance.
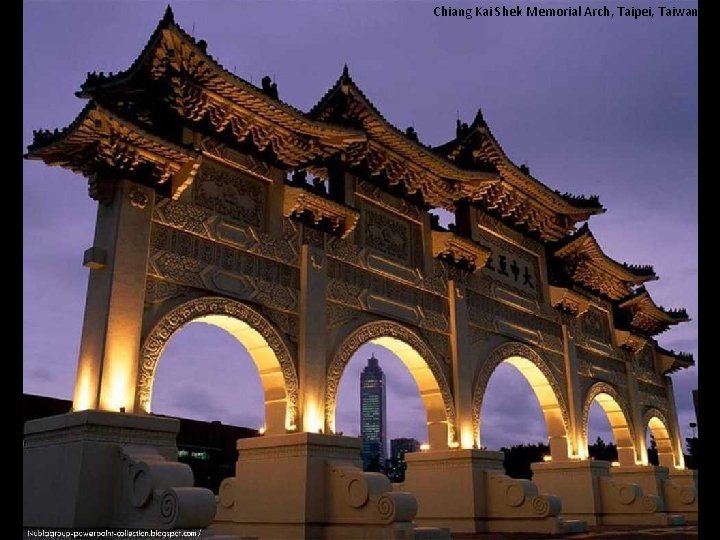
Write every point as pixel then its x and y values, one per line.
pixel 373 419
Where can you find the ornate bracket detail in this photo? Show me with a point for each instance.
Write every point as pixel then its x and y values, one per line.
pixel 629 340
pixel 459 251
pixel 138 199
pixel 568 301
pixel 297 201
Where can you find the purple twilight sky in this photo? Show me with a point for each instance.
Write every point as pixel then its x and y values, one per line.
pixel 593 106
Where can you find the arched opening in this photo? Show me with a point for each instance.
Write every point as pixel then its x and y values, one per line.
pixel 420 363
pixel 534 370
pixel 206 378
pixel 601 440
pixel 262 343
pixel 403 420
pixel 609 401
pixel 512 421
pixel 199 374
pixel 656 425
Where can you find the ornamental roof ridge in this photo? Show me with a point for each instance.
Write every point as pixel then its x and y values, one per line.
pixel 583 239
pixel 464 132
pixel 346 79
pixel 99 81
pixel 643 297
pixel 43 138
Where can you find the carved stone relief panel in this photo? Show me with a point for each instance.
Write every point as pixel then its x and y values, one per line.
pixel 200 221
pixel 382 198
pixel 365 290
pixel 595 324
pixel 193 261
pixel 231 193
pixel 502 318
pixel 158 291
pixel 601 368
pixel 391 236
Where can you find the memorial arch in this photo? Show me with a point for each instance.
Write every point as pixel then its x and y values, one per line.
pixel 306 234
pixel 418 359
pixel 263 342
pixel 543 383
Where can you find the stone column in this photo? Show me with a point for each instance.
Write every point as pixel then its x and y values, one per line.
pixel 674 427
pixel 110 345
pixel 575 400
pixel 635 418
pixel 312 352
pixel 462 364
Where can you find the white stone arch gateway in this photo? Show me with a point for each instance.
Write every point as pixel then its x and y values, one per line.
pixel 617 412
pixel 420 361
pixel 536 371
pixel 263 342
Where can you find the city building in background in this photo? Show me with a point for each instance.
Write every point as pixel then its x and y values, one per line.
pixel 396 465
pixel 209 448
pixel 373 416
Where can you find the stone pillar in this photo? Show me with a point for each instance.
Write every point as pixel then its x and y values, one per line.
pixel 635 420
pixel 462 365
pixel 577 446
pixel 312 351
pixel 110 346
pixel 674 428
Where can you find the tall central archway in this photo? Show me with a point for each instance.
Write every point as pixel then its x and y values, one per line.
pixel 263 343
pixel 419 360
pixel 541 380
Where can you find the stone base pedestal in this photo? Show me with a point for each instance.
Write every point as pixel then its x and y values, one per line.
pixel 468 492
pixel 588 492
pixel 678 497
pixel 104 469
pixel 308 485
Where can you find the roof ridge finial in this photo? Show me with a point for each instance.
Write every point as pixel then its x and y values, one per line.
pixel 169 16
pixel 479 118
pixel 346 71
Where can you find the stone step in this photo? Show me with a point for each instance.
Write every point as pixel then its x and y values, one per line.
pixel 431 533
pixel 574 526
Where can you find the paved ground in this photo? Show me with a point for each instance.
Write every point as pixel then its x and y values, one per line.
pixel 685 532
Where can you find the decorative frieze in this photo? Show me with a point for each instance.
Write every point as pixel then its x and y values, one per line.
pixel 231 193
pixel 192 261
pixel 382 198
pixel 494 315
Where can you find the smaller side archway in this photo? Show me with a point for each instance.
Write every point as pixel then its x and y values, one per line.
pixel 612 405
pixel 531 366
pixel 262 341
pixel 422 364
pixel 655 421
